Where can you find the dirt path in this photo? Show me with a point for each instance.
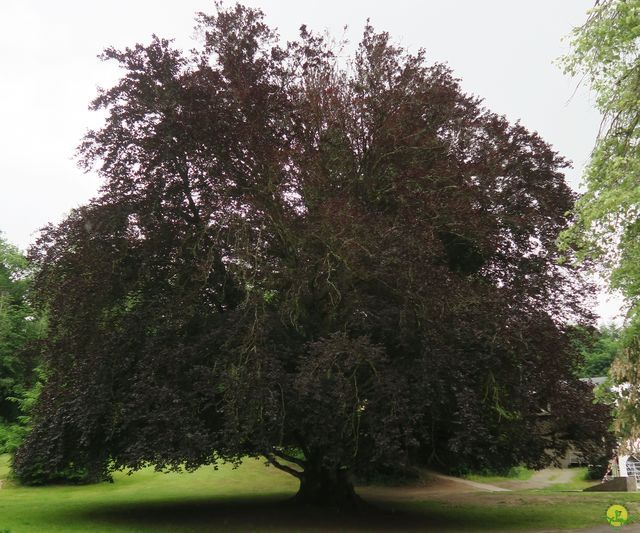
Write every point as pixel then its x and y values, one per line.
pixel 541 479
pixel 434 484
pixel 473 484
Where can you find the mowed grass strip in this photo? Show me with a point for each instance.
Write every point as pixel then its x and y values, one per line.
pixel 255 498
pixel 519 473
pixel 144 501
pixel 523 511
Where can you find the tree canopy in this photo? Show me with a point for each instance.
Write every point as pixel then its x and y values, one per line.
pixel 606 52
pixel 335 264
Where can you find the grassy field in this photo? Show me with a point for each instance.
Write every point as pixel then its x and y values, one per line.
pixel 523 512
pixel 254 498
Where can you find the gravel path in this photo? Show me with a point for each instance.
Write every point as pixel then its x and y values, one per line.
pixel 542 479
pixel 473 484
pixel 442 484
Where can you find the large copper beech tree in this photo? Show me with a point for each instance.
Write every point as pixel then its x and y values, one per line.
pixel 337 265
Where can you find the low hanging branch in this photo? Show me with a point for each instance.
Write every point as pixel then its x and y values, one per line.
pixel 271 459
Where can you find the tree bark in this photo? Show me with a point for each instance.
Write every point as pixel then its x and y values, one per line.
pixel 324 486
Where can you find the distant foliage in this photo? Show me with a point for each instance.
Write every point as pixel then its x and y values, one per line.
pixel 598 348
pixel 19 326
pixel 340 265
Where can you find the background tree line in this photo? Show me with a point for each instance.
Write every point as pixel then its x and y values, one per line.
pixel 20 327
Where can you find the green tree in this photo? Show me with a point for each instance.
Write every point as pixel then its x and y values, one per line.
pixel 606 232
pixel 19 326
pixel 337 267
pixel 598 348
pixel 606 54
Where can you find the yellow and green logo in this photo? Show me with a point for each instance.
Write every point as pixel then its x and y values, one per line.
pixel 617 515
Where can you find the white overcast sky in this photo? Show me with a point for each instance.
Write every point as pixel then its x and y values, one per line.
pixel 503 50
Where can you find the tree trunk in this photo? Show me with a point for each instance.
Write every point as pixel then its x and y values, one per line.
pixel 322 486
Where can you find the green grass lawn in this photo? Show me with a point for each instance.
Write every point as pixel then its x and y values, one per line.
pixel 524 512
pixel 254 498
pixel 145 501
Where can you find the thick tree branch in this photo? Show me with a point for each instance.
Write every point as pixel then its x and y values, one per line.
pixel 285 456
pixel 186 186
pixel 273 461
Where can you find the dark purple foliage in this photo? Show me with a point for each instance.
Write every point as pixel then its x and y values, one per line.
pixel 341 266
